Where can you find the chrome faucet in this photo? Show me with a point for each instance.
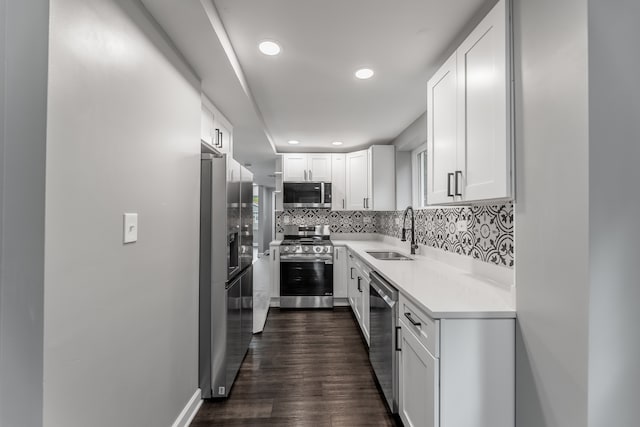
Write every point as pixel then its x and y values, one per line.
pixel 413 230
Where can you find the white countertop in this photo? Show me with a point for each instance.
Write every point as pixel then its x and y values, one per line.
pixel 441 289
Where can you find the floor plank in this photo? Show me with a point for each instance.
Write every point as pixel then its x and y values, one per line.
pixel 308 368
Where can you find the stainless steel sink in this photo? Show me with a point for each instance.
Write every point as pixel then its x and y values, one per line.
pixel 389 256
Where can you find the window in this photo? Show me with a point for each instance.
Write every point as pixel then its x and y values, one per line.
pixel 419 166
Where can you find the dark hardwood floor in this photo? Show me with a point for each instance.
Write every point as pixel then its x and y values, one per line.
pixel 308 368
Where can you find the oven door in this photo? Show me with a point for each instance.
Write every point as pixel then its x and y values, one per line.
pixel 306 195
pixel 306 283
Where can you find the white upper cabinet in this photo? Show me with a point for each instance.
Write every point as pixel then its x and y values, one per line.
pixel 371 179
pixel 294 167
pixel 338 182
pixel 206 125
pixel 357 180
pixel 382 178
pixel 442 132
pixel 303 167
pixel 484 132
pixel 215 129
pixel 319 165
pixel 363 180
pixel 468 118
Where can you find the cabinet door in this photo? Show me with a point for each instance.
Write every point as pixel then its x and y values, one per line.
pixel 223 136
pixel 357 179
pixel 357 309
pixel 484 155
pixel 352 291
pixel 340 272
pixel 418 382
pixel 442 114
pixel 338 182
pixel 206 125
pixel 295 167
pixel 319 167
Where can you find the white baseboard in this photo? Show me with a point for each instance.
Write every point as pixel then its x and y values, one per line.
pixel 189 411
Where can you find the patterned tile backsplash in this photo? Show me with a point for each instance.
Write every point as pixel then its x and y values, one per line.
pixel 489 234
pixel 338 221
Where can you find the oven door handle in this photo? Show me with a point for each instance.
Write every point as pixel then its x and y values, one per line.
pixel 310 260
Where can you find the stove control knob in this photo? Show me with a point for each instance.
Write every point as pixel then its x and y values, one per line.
pixel 285 249
pixel 327 249
pixel 305 248
pixel 317 249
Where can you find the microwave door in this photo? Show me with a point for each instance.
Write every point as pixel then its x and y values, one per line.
pixel 303 195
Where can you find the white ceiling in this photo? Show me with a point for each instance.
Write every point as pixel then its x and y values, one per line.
pixel 190 29
pixel 308 92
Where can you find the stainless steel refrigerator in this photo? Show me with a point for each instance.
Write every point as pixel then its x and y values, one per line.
pixel 226 272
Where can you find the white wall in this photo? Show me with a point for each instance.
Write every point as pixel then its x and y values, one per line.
pixel 403 179
pixel 415 134
pixel 23 103
pixel 551 226
pixel 614 209
pixel 120 340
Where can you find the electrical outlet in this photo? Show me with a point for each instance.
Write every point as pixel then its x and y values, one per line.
pixel 461 226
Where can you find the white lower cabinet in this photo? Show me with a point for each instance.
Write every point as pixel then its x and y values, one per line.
pixel 455 372
pixel 418 382
pixel 358 291
pixel 339 273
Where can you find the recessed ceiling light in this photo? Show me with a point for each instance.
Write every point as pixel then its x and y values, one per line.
pixel 337 143
pixel 364 73
pixel 269 47
pixel 294 142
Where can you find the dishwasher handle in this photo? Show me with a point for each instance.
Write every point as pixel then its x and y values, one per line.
pixel 383 288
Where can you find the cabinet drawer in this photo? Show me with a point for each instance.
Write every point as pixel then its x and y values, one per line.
pixel 426 329
pixel 363 268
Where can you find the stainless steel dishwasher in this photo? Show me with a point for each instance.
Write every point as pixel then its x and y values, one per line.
pixel 383 314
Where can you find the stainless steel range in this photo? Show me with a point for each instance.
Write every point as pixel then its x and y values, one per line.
pixel 306 267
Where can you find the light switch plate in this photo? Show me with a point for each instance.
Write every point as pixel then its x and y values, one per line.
pixel 130 227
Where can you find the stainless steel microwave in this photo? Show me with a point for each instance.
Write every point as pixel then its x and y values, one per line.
pixel 306 195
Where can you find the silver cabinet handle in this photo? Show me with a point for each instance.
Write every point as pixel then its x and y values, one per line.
pixel 364 203
pixel 310 175
pixel 305 174
pixel 351 271
pixel 359 287
pixel 342 203
pixel 398 328
pixel 413 322
pixel 449 193
pixel 274 255
pixel 458 190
